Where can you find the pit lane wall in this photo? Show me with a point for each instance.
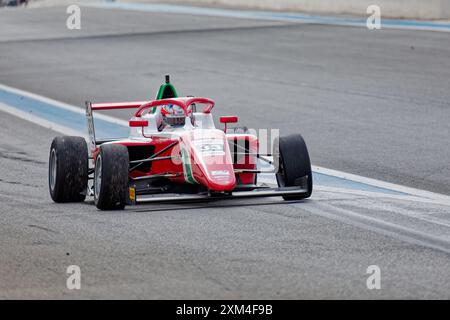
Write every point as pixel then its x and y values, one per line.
pixel 410 9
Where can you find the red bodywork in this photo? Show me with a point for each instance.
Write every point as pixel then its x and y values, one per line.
pixel 208 157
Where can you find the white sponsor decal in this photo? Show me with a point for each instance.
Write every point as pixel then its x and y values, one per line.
pixel 216 173
pixel 210 146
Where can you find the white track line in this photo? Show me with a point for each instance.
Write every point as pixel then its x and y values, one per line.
pixel 39 121
pixel 264 15
pixel 377 225
pixel 382 184
pixel 60 104
pixel 372 194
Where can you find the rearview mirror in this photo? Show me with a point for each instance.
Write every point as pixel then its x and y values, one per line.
pixel 228 119
pixel 138 123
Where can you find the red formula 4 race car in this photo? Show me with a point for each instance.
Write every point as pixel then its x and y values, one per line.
pixel 173 153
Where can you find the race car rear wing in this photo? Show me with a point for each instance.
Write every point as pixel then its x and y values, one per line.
pixel 90 123
pixel 166 91
pixel 90 107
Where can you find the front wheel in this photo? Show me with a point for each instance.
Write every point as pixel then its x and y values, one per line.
pixel 111 177
pixel 294 166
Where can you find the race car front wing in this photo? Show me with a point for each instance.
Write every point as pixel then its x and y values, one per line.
pixel 136 198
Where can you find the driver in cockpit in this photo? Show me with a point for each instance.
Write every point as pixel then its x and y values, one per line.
pixel 174 115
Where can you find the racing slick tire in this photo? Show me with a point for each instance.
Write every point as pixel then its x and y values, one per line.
pixel 111 177
pixel 293 163
pixel 68 169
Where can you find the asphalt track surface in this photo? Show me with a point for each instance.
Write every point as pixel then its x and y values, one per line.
pixel 369 103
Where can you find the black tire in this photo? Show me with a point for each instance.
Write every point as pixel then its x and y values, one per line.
pixel 68 169
pixel 111 170
pixel 293 163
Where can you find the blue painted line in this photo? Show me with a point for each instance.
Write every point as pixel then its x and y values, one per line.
pixel 70 119
pixel 321 179
pixel 331 181
pixel 269 15
pixel 360 22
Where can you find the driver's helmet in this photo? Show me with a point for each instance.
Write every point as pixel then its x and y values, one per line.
pixel 173 115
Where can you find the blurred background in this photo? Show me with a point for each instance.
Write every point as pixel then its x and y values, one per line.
pixel 412 9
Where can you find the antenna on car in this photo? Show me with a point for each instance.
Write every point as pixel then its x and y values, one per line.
pixel 167 78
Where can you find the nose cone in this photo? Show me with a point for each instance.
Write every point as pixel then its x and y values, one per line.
pixel 220 178
pixel 212 163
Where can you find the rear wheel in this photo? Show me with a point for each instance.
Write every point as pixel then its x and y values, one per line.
pixel 111 177
pixel 294 165
pixel 68 169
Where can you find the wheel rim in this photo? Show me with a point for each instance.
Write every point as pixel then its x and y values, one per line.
pixel 281 176
pixel 98 176
pixel 53 167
